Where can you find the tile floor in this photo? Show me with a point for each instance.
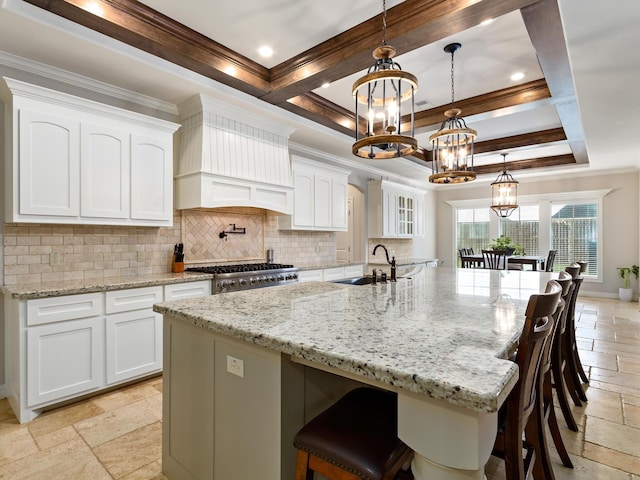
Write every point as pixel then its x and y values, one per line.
pixel 117 435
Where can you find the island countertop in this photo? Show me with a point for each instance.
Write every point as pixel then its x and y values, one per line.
pixel 444 333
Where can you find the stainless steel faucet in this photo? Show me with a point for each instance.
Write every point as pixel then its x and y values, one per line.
pixel 391 262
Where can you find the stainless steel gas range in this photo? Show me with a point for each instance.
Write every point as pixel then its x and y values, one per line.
pixel 234 278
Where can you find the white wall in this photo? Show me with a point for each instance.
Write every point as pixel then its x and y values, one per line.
pixel 621 244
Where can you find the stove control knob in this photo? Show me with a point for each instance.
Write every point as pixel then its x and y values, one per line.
pixel 272 278
pixel 253 280
pixel 242 282
pixel 281 278
pixel 232 283
pixel 294 276
pixel 224 284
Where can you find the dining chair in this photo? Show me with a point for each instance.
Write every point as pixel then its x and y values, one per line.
pixel 546 415
pixel 355 438
pixel 464 262
pixel 495 260
pixel 551 257
pixel 520 414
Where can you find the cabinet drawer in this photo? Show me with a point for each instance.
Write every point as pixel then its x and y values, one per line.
pixel 68 307
pixel 132 299
pixel 330 274
pixel 352 271
pixel 177 291
pixel 310 276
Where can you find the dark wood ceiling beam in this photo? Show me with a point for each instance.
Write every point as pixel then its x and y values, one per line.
pixel 410 25
pixel 488 102
pixel 541 162
pixel 320 110
pixel 137 25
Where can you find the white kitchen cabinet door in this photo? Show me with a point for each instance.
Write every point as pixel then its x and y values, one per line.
pixel 339 194
pixel 390 213
pixel 303 199
pixel 152 179
pixel 49 164
pixel 133 345
pixel 105 172
pixel 64 359
pixel 332 274
pixel 322 201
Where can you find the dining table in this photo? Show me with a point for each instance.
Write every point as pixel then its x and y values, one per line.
pixel 476 260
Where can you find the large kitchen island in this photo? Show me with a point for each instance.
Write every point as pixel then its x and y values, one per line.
pixel 244 371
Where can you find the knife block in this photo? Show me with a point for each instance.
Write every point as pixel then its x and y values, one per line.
pixel 177 267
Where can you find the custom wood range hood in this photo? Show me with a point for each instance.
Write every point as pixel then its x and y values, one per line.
pixel 229 157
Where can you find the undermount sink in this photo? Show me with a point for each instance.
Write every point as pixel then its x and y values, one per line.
pixel 366 280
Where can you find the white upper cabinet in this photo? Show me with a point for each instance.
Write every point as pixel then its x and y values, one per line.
pixel 394 210
pixel 319 197
pixel 76 161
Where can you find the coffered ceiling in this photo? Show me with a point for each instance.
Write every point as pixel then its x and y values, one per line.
pixel 576 80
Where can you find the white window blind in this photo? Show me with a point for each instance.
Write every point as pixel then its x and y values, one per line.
pixel 574 234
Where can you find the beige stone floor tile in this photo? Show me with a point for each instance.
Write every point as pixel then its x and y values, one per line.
pixel 608 361
pixel 62 435
pixel 573 441
pixel 153 471
pixel 627 339
pixel 604 404
pixel 112 424
pixel 595 334
pixel 16 444
pixel 632 417
pixel 629 399
pixel 119 398
pixel 624 389
pixel 613 435
pixel 615 347
pixel 613 458
pixel 61 417
pixel 68 461
pixel 132 451
pixel 584 344
pixel 627 379
pixel 587 469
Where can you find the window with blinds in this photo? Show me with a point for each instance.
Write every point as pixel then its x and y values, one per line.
pixel 472 229
pixel 574 234
pixel 523 227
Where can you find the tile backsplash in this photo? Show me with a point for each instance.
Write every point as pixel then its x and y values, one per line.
pixel 93 252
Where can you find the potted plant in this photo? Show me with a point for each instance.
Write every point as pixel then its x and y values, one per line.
pixel 505 243
pixel 626 293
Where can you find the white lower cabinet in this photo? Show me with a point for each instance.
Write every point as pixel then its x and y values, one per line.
pixel 64 359
pixel 58 348
pixel 133 343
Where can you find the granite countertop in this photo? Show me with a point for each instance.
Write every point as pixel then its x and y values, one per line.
pixel 443 333
pixel 72 287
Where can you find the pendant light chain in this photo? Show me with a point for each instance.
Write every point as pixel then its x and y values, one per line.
pixel 384 22
pixel 452 78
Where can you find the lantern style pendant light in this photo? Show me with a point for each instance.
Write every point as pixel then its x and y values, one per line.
pixel 383 96
pixel 504 192
pixel 452 144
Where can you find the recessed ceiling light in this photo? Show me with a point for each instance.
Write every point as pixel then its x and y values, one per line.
pixel 486 22
pixel 325 85
pixel 517 76
pixel 265 51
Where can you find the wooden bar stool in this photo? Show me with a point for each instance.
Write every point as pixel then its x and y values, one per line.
pixel 354 439
pixel 520 414
pixel 570 347
pixel 544 469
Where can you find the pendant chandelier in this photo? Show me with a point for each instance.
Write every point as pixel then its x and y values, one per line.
pixel 504 192
pixel 383 96
pixel 452 145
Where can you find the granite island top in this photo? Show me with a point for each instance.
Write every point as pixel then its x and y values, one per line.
pixel 443 333
pixel 372 263
pixel 72 287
